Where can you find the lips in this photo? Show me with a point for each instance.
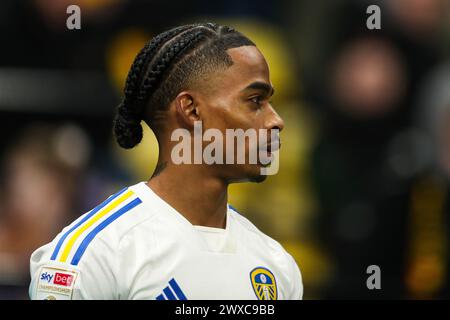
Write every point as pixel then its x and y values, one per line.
pixel 274 146
pixel 271 147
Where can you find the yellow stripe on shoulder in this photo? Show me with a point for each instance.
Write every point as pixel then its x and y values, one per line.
pixel 77 232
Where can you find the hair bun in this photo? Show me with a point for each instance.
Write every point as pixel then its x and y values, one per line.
pixel 127 127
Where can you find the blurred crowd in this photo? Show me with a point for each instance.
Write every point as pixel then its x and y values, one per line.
pixel 365 163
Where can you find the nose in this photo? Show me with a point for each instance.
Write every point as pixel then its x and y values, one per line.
pixel 274 120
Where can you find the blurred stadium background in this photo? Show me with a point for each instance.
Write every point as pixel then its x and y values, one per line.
pixel 365 164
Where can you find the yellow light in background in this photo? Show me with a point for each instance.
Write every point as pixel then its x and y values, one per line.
pixel 270 41
pixel 121 53
pixel 315 266
pixel 141 160
pixel 426 271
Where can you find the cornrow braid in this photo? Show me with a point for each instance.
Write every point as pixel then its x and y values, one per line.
pixel 165 66
pixel 144 55
pixel 156 72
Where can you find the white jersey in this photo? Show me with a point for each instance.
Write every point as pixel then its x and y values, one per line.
pixel 136 246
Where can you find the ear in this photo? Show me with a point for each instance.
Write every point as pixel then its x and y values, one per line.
pixel 186 108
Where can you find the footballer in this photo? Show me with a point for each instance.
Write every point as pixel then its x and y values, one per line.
pixel 175 237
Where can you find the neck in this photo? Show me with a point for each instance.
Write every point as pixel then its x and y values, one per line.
pixel 200 197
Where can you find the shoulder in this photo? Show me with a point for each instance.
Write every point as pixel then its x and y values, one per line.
pixel 101 228
pixel 259 238
pixel 90 245
pixel 107 223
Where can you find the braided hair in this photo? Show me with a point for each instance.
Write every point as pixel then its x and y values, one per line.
pixel 168 64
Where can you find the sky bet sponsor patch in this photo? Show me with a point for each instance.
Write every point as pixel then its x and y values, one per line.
pixel 55 284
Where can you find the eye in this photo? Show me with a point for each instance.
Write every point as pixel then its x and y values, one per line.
pixel 257 100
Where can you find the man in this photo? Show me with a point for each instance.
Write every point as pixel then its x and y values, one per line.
pixel 175 236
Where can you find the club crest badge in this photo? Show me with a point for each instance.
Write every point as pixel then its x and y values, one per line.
pixel 264 284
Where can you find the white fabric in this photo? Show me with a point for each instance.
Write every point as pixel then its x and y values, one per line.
pixel 137 254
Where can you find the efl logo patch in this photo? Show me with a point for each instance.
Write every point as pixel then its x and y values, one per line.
pixel 55 284
pixel 264 284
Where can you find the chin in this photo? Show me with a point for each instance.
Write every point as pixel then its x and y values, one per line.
pixel 255 175
pixel 257 178
pixel 252 175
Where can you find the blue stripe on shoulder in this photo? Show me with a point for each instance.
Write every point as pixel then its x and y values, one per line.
pixel 87 240
pixel 90 214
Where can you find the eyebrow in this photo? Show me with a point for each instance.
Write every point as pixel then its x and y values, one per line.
pixel 258 85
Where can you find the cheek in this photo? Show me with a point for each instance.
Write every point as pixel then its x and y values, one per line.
pixel 216 119
pixel 224 114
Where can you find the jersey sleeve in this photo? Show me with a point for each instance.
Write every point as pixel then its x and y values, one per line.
pixel 93 278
